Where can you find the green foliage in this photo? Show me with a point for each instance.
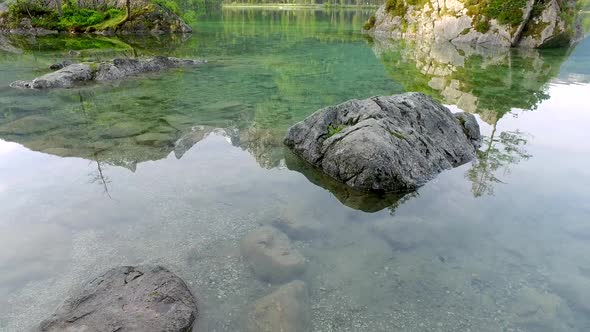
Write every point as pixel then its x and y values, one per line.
pixel 29 8
pixel 482 26
pixel 170 5
pixel 370 23
pixel 506 12
pixel 73 17
pixel 333 130
pixel 396 7
pixel 76 19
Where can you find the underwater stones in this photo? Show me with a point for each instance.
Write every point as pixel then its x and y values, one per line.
pixel 295 228
pixel 403 233
pixel 155 139
pixel 285 310
pixel 535 310
pixel 384 144
pixel 124 129
pixel 575 290
pixel 271 255
pixel 127 298
pixel 116 69
pixel 28 125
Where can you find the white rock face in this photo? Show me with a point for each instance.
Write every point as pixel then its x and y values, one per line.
pixel 544 24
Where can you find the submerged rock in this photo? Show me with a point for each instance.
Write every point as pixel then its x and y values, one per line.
pixel 403 234
pixel 284 310
pixel 143 298
pixel 387 144
pixel 28 125
pixel 73 74
pixel 271 255
pixel 529 23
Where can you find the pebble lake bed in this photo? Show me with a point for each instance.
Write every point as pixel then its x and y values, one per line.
pixel 187 169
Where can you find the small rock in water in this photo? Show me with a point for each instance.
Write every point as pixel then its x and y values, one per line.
pixel 284 310
pixel 271 255
pixel 143 298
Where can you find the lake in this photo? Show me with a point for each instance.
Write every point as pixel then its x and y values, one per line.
pixel 176 168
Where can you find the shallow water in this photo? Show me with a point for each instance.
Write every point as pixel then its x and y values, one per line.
pixel 176 168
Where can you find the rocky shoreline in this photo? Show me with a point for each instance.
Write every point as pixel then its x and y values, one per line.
pixel 525 23
pixel 74 74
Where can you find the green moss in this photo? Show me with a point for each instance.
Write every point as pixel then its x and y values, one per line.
pixel 482 26
pixel 333 130
pixel 396 7
pixel 370 23
pixel 505 12
pixel 397 134
pixel 73 17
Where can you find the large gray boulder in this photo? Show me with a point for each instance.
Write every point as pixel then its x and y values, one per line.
pixel 143 298
pixel 385 144
pixel 116 69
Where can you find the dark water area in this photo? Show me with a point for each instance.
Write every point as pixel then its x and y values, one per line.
pixel 175 168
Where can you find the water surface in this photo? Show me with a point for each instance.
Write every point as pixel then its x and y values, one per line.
pixel 175 168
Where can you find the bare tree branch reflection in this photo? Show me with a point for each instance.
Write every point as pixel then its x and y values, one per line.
pixel 99 177
pixel 499 154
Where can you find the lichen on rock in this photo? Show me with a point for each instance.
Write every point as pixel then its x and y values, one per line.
pixel 522 23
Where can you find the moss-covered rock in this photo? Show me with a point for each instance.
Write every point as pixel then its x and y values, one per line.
pixel 524 23
pixel 101 16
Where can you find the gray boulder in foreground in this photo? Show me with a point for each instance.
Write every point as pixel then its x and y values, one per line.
pixel 116 69
pixel 388 144
pixel 143 298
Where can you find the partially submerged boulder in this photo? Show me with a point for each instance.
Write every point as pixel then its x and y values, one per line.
pixel 385 144
pixel 116 69
pixel 143 298
pixel 272 255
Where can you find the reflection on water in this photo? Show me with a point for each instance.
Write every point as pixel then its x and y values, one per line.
pixel 175 168
pixel 489 82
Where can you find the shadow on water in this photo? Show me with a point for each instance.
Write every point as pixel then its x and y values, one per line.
pixel 367 202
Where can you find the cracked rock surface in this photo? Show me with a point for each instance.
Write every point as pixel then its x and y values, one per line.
pixel 127 298
pixel 392 143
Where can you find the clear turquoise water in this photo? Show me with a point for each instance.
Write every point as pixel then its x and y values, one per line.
pixel 175 168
